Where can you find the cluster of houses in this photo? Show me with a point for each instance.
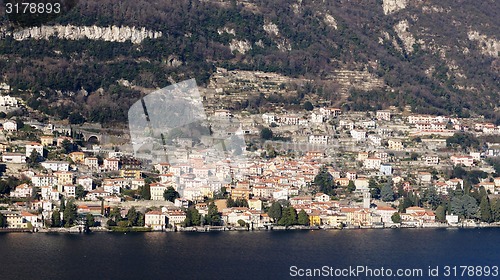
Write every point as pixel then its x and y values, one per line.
pixel 353 147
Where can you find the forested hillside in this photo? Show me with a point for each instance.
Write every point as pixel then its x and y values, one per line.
pixel 435 56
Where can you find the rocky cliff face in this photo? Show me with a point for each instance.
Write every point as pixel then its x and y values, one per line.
pixel 488 46
pixel 71 32
pixel 391 6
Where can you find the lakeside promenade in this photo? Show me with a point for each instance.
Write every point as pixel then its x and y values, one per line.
pixel 201 229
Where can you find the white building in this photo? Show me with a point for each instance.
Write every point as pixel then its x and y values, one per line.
pixel 358 135
pixel 111 164
pixel 44 180
pixel 462 160
pixel 56 165
pixel 431 160
pixel 111 188
pixel 70 190
pixel 375 139
pixel 13 158
pixel 92 163
pixel 155 220
pixel 384 115
pixel 23 190
pixel 8 101
pixel 318 118
pixel 269 118
pixel 10 126
pixel 34 146
pixel 157 191
pixel 385 169
pixel 86 182
pixel 318 139
pixel 372 163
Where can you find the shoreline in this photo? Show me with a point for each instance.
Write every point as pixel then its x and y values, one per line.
pixel 205 229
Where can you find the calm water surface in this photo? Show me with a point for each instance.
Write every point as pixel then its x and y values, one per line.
pixel 238 255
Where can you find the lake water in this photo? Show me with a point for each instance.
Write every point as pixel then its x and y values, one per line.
pixel 241 255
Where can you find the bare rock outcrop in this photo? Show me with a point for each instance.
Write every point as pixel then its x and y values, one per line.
pixel 391 6
pixel 72 32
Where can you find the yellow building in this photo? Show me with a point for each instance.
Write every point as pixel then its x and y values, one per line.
pixel 334 220
pixel 77 157
pixel 64 178
pixel 15 220
pixel 395 144
pixel 314 218
pixel 47 140
pixel 240 192
pixel 131 173
pixel 206 191
pixel 255 204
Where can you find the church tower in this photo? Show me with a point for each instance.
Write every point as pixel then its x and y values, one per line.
pixel 366 199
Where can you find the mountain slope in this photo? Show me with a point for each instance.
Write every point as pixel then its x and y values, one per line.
pixel 435 56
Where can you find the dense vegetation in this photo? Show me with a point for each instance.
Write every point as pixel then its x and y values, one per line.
pixel 44 72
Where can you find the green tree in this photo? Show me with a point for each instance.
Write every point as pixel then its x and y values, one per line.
pixel 387 193
pixel 289 217
pixel 413 156
pixel 62 204
pixel 458 172
pixel 230 202
pixel 464 206
pixel 396 218
pixel 76 118
pixel 89 220
pixel 432 197
pixel 213 217
pixel 374 188
pixel 146 192
pixel 266 133
pixel 407 202
pixel 56 218
pixel 19 123
pixel 241 202
pixel 324 181
pixel 115 214
pixel 140 219
pixel 3 223
pixel 308 106
pixel 351 186
pixel 275 211
pixel 495 210
pixel 68 146
pixel 441 213
pixel 33 159
pixel 485 210
pixel 6 185
pixel 69 214
pixel 241 223
pixel 79 192
pixel 132 216
pixel 303 218
pixel 193 217
pixel 462 140
pixel 170 194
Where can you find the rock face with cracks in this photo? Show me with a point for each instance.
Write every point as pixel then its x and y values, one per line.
pixel 71 32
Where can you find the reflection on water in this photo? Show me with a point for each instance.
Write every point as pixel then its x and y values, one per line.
pixel 223 255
